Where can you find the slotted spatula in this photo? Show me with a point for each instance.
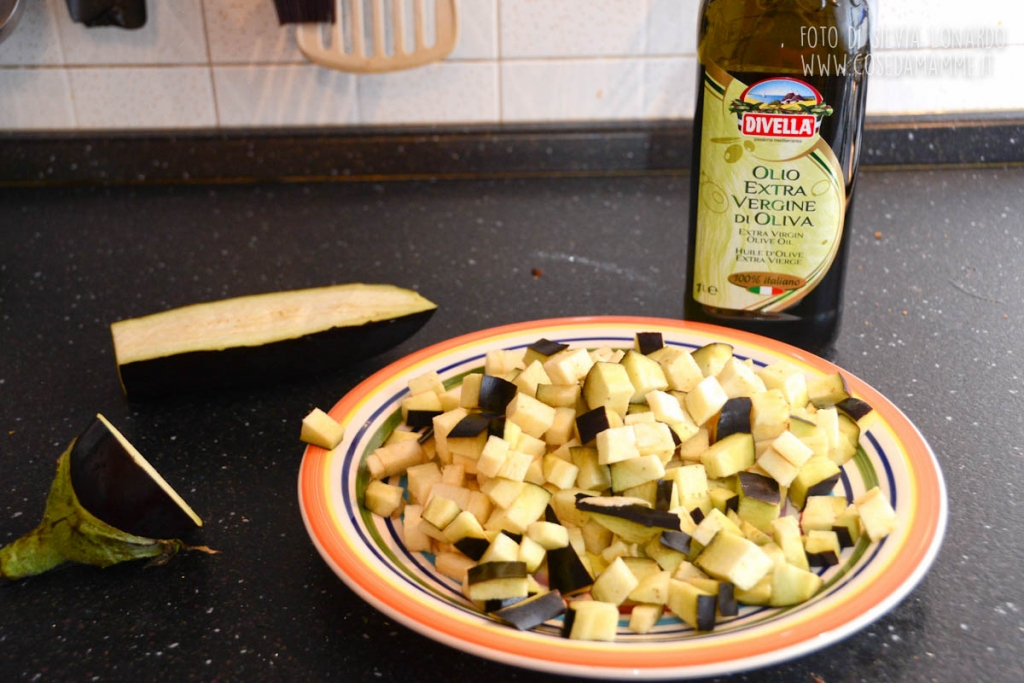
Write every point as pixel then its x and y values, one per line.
pixel 360 43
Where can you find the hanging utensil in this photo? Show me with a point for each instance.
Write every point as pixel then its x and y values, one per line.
pixel 377 43
pixel 10 13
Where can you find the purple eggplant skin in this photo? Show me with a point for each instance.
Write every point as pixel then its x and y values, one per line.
pixel 824 487
pixel 827 558
pixel 854 407
pixel 530 612
pixel 546 347
pixel 567 621
pixel 760 487
pixel 487 571
pixel 591 423
pixel 734 418
pixel 707 609
pixel 633 512
pixel 676 540
pixel 496 427
pixel 473 548
pixel 649 342
pixel 246 367
pixel 843 534
pixel 421 419
pixel 727 605
pixel 495 394
pixel 663 497
pixel 472 425
pixel 118 491
pixel 566 572
pixel 495 604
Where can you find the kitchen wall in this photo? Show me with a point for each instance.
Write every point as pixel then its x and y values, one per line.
pixel 207 64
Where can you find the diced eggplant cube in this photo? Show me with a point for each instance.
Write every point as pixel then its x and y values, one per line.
pixel 496 580
pixel 531 415
pixel 817 477
pixel 608 384
pixel 727 604
pixel 495 394
pixel 594 620
pixel 827 390
pixel 759 487
pixel 769 414
pixel 532 611
pixel 645 617
pixel 566 572
pixel 738 379
pixel 595 421
pixel 711 358
pixel 876 514
pixel 614 583
pixel 568 366
pixel 792 585
pixel 616 445
pixel 648 342
pixel 822 548
pixel 421 419
pixel 663 496
pixel 542 349
pixel 735 559
pixel 735 417
pixel 676 540
pixel 728 456
pixel 320 429
pixel 471 425
pixel 694 606
pixel 855 408
pixel 788 379
pixel 473 548
pixel 706 399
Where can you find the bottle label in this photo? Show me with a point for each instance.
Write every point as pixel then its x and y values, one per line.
pixel 771 199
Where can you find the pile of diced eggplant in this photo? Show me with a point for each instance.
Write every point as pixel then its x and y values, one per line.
pixel 600 483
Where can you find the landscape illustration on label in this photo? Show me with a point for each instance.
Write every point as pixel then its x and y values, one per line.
pixel 780 108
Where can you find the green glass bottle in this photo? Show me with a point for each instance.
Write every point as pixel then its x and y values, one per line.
pixel 777 131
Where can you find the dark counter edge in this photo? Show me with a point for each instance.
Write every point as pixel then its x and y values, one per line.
pixel 332 154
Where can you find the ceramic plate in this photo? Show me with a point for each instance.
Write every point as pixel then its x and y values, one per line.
pixel 367 552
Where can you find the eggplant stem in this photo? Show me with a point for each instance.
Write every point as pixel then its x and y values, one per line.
pixel 69 533
pixel 33 553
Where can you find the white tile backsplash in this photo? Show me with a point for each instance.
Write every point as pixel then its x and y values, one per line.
pixel 571 90
pixel 670 88
pixel 672 27
pixel 936 81
pixel 948 24
pixel 36 41
pixel 227 63
pixel 448 92
pixel 143 97
pixel 284 95
pixel 478 30
pixel 572 28
pixel 35 99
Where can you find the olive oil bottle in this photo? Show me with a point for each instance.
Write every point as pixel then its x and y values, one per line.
pixel 777 130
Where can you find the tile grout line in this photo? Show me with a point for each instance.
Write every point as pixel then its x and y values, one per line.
pixel 63 66
pixel 209 65
pixel 499 61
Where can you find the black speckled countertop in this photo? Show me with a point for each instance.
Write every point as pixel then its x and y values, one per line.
pixel 934 311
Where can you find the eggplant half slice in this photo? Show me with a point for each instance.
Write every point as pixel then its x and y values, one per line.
pixel 263 338
pixel 106 505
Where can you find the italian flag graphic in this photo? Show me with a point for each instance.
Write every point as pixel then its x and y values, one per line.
pixel 766 290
